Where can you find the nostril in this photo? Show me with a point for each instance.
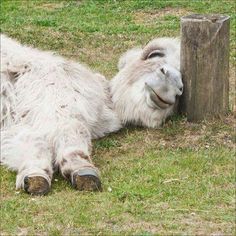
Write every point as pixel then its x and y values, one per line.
pixel 163 71
pixel 181 89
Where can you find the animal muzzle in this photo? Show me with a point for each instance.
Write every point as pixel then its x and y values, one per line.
pixel 158 99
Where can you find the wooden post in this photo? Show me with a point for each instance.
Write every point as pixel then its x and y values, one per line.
pixel 204 65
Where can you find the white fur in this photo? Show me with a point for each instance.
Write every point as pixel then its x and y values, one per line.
pixel 51 108
pixel 129 96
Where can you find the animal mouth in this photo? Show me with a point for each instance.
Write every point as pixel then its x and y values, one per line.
pixel 159 101
pixel 163 101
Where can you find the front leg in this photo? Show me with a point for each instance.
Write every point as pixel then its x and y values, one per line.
pixel 73 146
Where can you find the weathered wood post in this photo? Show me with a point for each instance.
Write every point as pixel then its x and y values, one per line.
pixel 204 65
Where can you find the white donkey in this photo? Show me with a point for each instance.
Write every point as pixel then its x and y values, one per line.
pixel 51 108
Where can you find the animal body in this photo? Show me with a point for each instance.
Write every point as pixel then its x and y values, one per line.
pixel 51 108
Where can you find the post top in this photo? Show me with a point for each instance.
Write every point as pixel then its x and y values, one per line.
pixel 214 18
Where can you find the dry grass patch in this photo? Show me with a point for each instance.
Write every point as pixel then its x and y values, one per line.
pixel 152 16
pixel 193 222
pixel 51 6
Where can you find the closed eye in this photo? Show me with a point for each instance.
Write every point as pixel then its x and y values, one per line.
pixel 156 53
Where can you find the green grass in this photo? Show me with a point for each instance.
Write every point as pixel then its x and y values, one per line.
pixel 175 180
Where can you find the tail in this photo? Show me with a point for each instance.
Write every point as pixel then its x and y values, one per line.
pixel 9 149
pixel 19 143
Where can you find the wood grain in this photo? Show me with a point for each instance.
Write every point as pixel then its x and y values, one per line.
pixel 204 66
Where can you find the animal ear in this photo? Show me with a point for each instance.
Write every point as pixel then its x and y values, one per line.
pixel 129 57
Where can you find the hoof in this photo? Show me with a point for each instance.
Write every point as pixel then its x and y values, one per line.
pixel 36 185
pixel 86 180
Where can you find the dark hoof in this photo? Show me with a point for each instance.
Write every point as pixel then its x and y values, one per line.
pixel 86 180
pixel 36 185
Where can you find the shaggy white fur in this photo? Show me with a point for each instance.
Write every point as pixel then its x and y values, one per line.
pixel 51 107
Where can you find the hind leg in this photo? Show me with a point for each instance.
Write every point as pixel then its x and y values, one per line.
pixel 29 154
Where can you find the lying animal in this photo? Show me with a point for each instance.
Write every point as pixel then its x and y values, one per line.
pixel 52 108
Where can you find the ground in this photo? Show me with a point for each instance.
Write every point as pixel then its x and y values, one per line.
pixel 178 179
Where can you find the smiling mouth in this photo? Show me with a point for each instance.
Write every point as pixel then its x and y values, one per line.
pixel 158 101
pixel 163 101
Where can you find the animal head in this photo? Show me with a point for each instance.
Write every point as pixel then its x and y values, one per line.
pixel 147 86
